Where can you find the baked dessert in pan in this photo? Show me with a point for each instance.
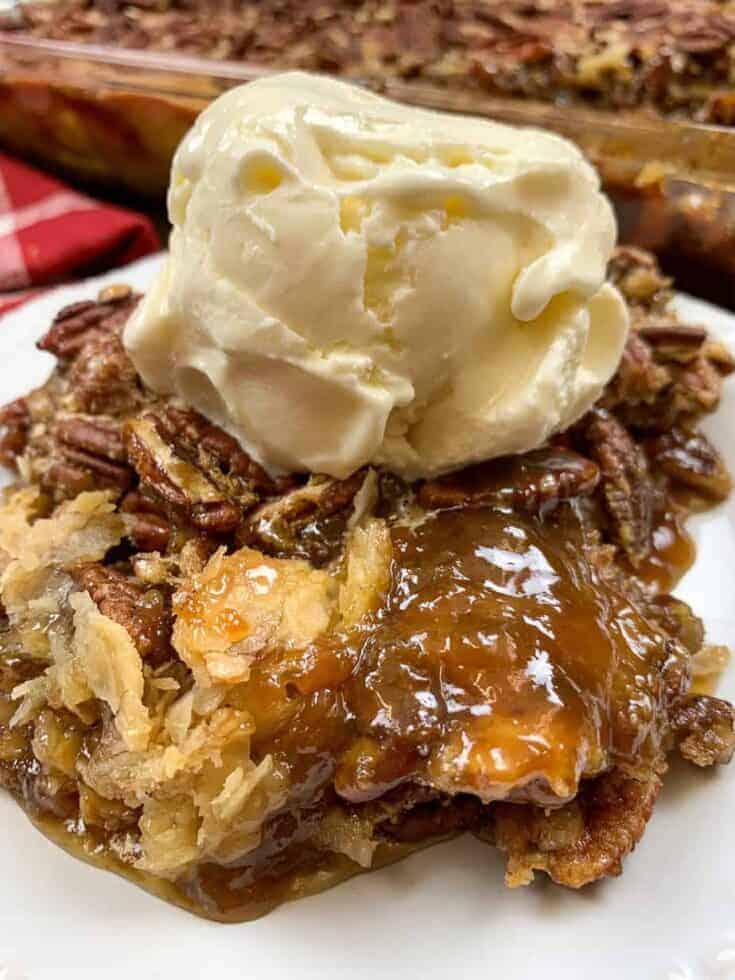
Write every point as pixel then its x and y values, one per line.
pixel 674 56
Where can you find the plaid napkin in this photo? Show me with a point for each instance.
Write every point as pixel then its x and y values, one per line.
pixel 50 234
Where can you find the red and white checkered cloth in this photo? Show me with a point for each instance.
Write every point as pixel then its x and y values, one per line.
pixel 50 234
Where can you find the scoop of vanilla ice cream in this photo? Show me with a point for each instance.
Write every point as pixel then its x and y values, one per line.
pixel 351 280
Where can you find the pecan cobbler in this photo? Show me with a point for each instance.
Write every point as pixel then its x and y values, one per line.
pixel 238 690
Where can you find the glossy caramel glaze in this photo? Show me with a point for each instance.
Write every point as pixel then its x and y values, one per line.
pixel 672 553
pixel 500 662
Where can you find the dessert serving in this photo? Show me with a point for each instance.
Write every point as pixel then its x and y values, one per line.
pixel 358 530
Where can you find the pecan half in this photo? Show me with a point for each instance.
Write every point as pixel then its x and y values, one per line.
pixel 75 325
pixel 690 458
pixel 85 453
pixel 703 727
pixel 149 533
pixel 145 613
pixel 217 454
pixel 627 489
pixel 98 435
pixel 176 482
pixel 308 522
pixel 73 471
pixel 536 482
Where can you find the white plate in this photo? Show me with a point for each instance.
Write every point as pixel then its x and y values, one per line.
pixel 442 913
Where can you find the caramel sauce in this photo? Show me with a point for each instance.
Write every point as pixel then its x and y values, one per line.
pixel 500 660
pixel 226 894
pixel 672 553
pixel 705 685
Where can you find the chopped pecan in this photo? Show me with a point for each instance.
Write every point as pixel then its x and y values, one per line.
pixel 77 324
pixel 176 482
pixel 676 617
pixel 149 529
pixel 653 393
pixel 145 613
pixel 536 482
pixel 690 458
pixel 103 379
pixel 220 456
pixel 308 522
pixel 703 727
pixel 149 532
pixel 670 371
pixel 673 341
pixel 627 488
pixel 636 273
pixel 15 421
pixel 640 379
pixel 697 388
pixel 671 55
pixel 720 356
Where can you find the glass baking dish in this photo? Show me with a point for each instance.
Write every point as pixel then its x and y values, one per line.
pixel 117 116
